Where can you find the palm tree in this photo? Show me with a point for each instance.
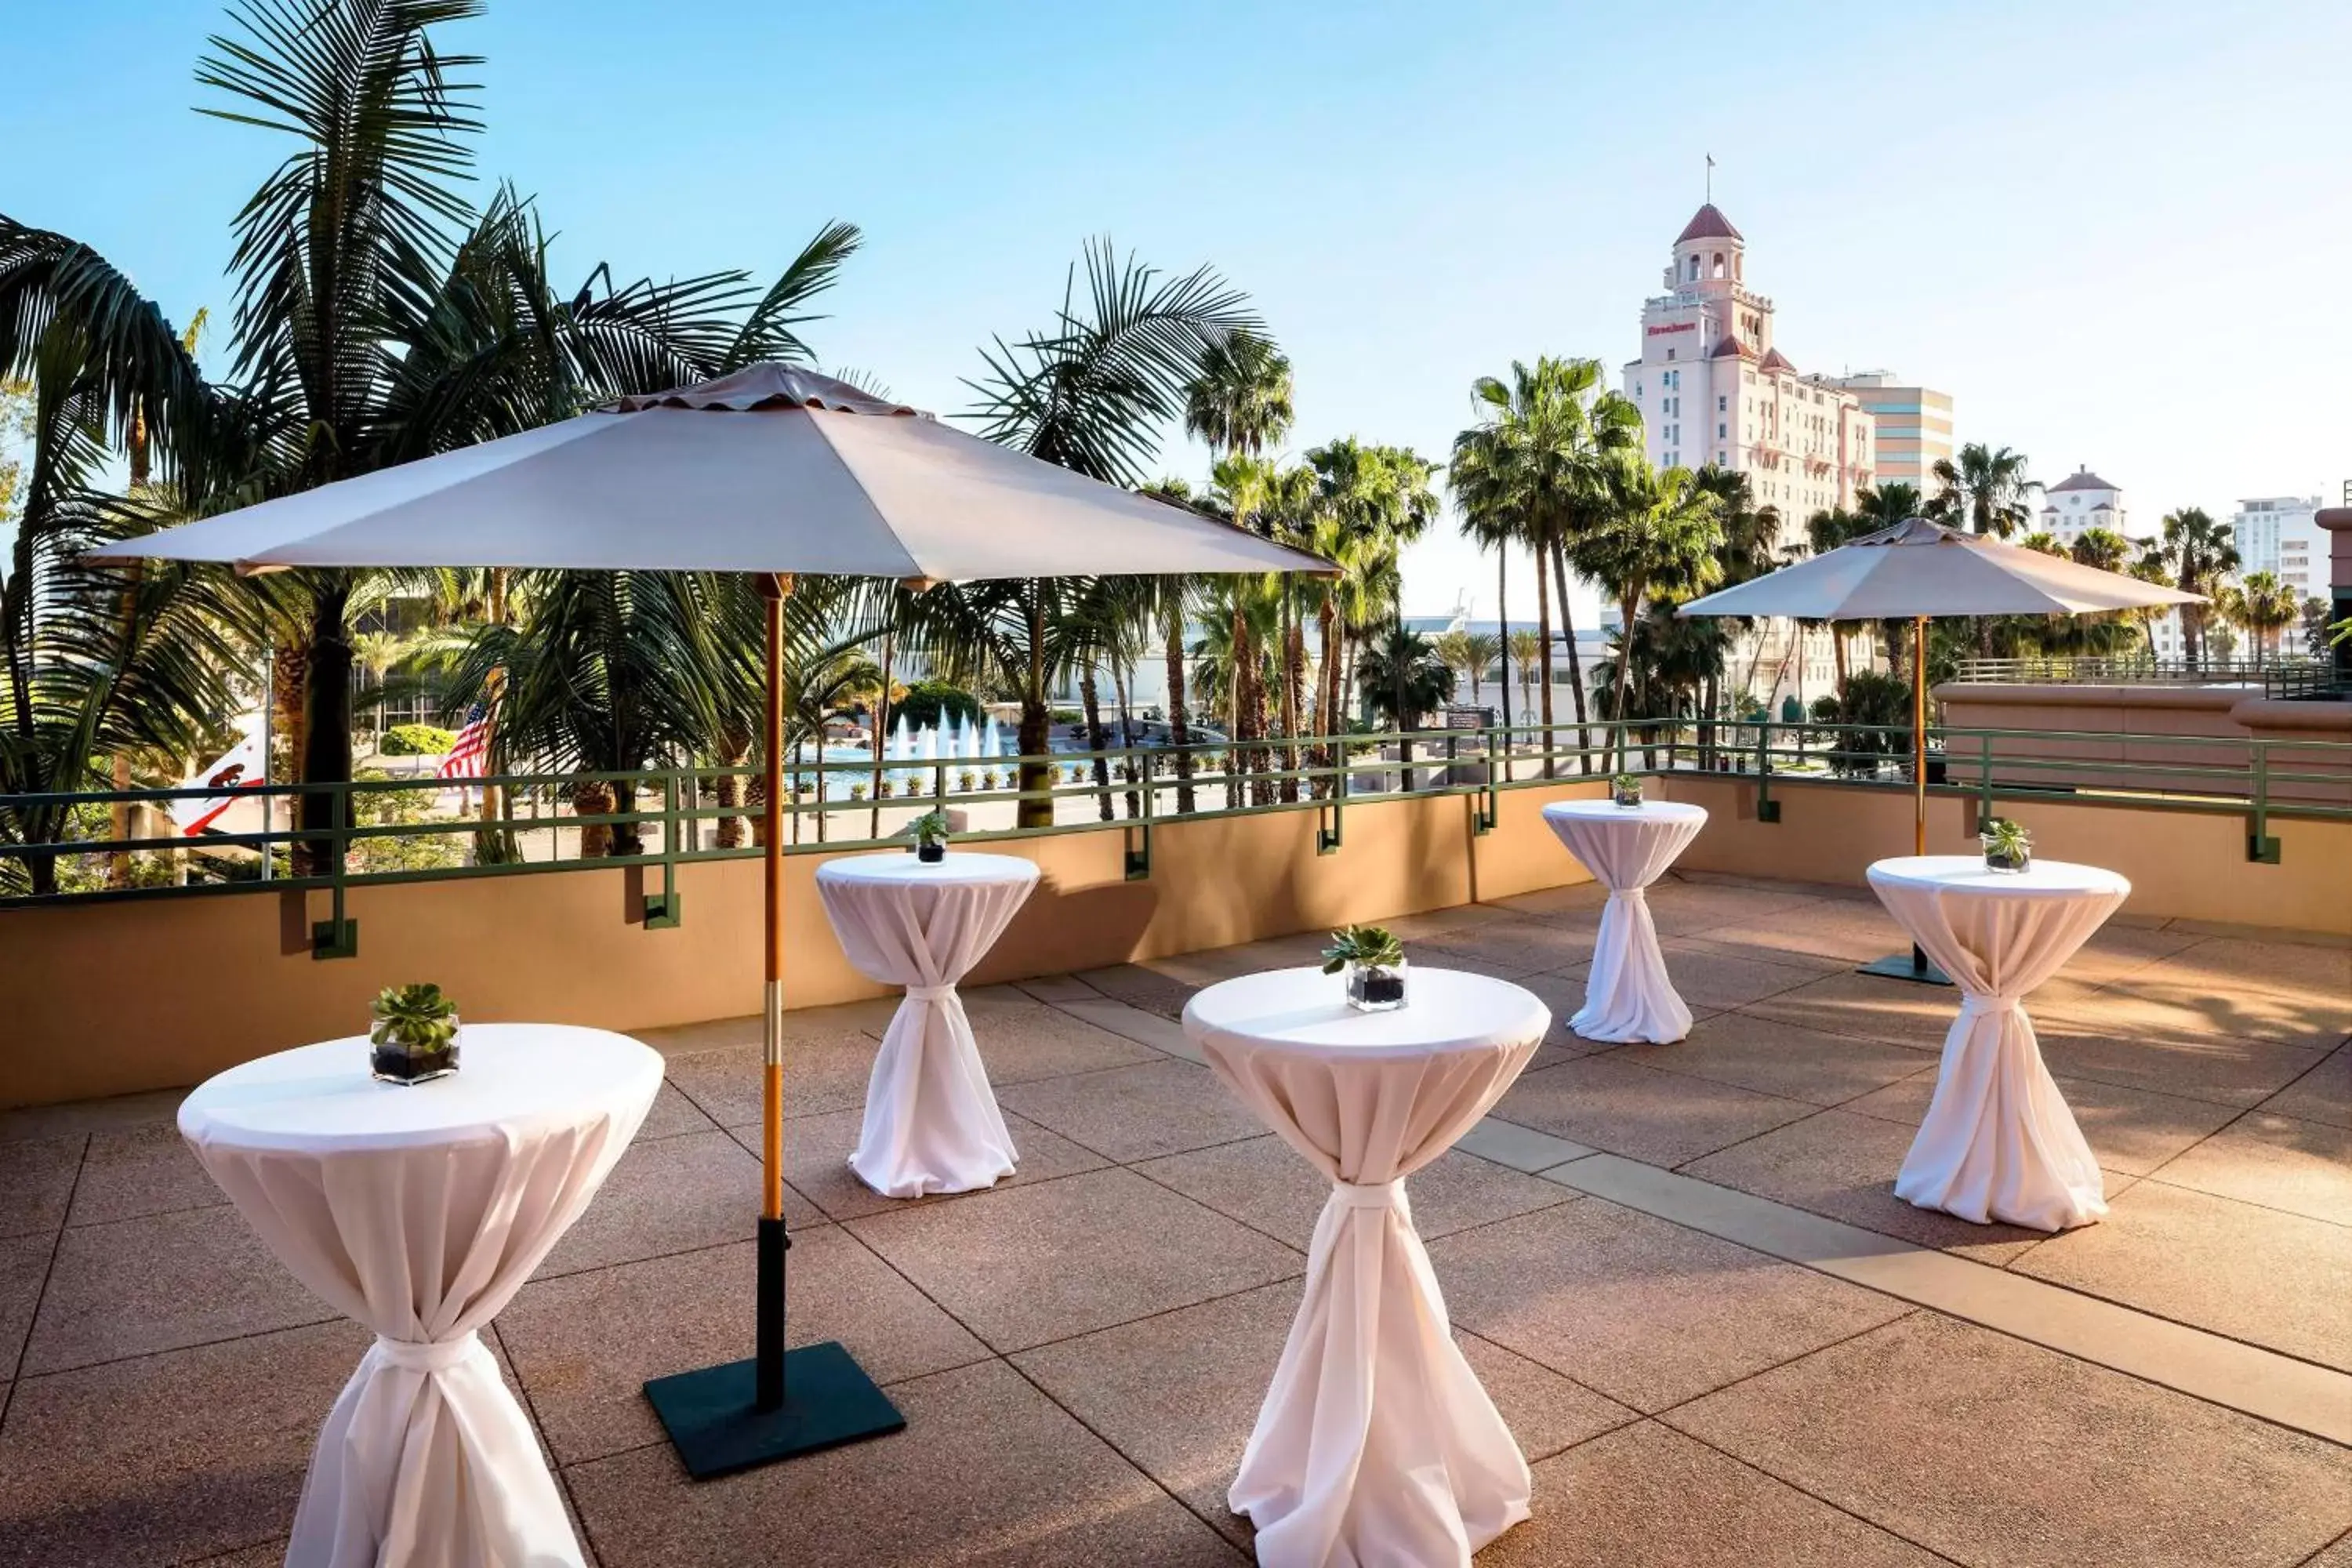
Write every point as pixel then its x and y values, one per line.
pixel 1751 548
pixel 1661 533
pixel 1987 490
pixel 2149 567
pixel 1482 648
pixel 1883 507
pixel 379 316
pixel 2101 548
pixel 2043 543
pixel 1404 678
pixel 1368 503
pixel 1091 392
pixel 1824 531
pixel 1527 650
pixel 1531 471
pixel 1239 398
pixel 2265 606
pixel 2196 554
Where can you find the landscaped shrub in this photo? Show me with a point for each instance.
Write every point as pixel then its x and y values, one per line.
pixel 1871 699
pixel 417 740
pixel 930 702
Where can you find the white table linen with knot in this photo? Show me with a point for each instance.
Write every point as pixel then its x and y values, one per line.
pixel 419 1211
pixel 931 1121
pixel 1999 1141
pixel 1376 1447
pixel 1627 994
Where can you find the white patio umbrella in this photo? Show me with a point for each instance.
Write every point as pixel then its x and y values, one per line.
pixel 1917 570
pixel 774 472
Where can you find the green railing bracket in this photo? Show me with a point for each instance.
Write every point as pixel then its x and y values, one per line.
pixel 2262 849
pixel 1488 810
pixel 663 911
pixel 335 938
pixel 1327 839
pixel 1138 854
pixel 1766 809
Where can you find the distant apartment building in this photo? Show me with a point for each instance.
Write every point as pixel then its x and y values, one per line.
pixel 2079 502
pixel 2280 534
pixel 1911 427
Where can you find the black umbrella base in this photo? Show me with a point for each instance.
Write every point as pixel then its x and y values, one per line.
pixel 717 1427
pixel 1912 967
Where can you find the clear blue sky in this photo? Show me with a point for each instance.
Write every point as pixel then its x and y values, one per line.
pixel 2119 233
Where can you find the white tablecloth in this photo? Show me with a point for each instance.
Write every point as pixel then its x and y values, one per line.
pixel 419 1211
pixel 1627 996
pixel 1376 1446
pixel 1999 1141
pixel 932 1123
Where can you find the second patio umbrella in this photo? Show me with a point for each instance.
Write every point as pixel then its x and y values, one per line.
pixel 1917 570
pixel 772 470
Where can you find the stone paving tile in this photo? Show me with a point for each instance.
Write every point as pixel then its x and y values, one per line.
pixel 140 1286
pixel 1528 946
pixel 2120 1049
pixel 140 1171
pixel 1033 1041
pixel 1023 1266
pixel 1680 909
pixel 1643 1114
pixel 1139 986
pixel 1178 1393
pixel 1644 1311
pixel 673 1115
pixel 2130 1131
pixel 1134 1112
pixel 1844 1165
pixel 2157 1002
pixel 1989 1449
pixel 2116 952
pixel 2322 1094
pixel 1270 1186
pixel 157 1107
pixel 1822 929
pixel 1648 1497
pixel 1520 1148
pixel 1785 1059
pixel 821 1073
pixel 1576 903
pixel 2321 974
pixel 37 1180
pixel 167 1457
pixel 1561 991
pixel 672 1196
pixel 989 1473
pixel 583 1346
pixel 2278 1162
pixel 24 1269
pixel 1711 978
pixel 1868 1005
pixel 2274 1279
pixel 817 1162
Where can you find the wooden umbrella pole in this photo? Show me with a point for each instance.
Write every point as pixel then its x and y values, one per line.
pixel 1919 734
pixel 769 1390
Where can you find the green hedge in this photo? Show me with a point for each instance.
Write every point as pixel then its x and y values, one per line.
pixel 417 740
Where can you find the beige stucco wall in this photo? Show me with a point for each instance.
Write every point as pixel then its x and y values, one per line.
pixel 2182 865
pixel 113 998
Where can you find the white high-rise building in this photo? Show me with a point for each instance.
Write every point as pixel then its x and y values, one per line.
pixel 1714 388
pixel 2280 534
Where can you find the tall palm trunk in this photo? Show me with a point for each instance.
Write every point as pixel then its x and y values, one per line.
pixel 1121 685
pixel 1543 651
pixel 1036 726
pixel 1837 655
pixel 1503 620
pixel 1294 691
pixel 1327 717
pixel 1097 740
pixel 1180 721
pixel 1575 658
pixel 734 745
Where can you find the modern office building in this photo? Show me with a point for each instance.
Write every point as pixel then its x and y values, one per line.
pixel 2280 534
pixel 1911 427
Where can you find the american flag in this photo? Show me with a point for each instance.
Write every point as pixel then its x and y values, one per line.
pixel 469 757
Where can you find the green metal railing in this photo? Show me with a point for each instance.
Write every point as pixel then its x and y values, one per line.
pixel 1143 787
pixel 2286 676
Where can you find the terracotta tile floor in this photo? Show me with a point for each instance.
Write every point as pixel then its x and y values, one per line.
pixel 1080 1352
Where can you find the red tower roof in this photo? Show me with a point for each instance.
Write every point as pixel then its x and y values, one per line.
pixel 1732 345
pixel 1775 360
pixel 1708 224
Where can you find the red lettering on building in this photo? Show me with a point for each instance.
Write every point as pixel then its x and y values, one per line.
pixel 1674 327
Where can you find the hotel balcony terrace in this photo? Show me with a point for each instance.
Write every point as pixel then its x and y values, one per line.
pixel 1680 1270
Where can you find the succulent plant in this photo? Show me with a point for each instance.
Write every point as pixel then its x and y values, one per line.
pixel 2005 840
pixel 415 1018
pixel 1375 947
